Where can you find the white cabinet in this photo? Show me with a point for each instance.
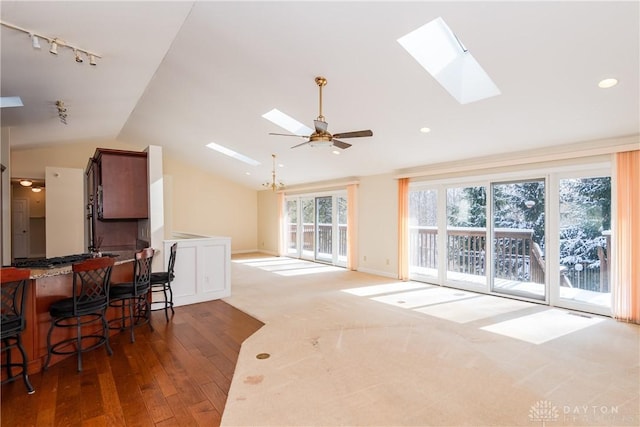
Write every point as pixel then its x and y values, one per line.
pixel 202 270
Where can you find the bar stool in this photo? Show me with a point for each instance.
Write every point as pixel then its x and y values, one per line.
pixel 161 282
pixel 134 296
pixel 14 292
pixel 87 305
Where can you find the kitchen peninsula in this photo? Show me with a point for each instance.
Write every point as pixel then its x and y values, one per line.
pixel 51 284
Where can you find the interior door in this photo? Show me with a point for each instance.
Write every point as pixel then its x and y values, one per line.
pixel 20 228
pixel 65 211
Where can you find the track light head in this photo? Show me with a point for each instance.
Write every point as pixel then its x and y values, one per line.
pixel 54 47
pixel 35 42
pixel 92 60
pixel 78 57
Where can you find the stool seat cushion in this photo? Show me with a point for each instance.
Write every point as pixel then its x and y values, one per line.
pixel 121 290
pixel 64 308
pixel 161 277
pixel 11 326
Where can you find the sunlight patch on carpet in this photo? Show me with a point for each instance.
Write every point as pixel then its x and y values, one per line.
pixel 385 288
pixel 544 326
pixel 423 297
pixel 472 309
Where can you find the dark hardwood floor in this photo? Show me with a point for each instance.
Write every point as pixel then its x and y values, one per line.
pixel 177 375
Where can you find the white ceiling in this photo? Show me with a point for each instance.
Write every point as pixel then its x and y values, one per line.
pixel 183 74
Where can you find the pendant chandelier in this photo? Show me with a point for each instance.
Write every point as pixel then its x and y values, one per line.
pixel 274 185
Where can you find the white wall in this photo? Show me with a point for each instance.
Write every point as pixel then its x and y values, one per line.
pixel 378 225
pixel 268 226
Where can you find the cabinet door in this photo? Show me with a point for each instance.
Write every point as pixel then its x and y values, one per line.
pixel 124 186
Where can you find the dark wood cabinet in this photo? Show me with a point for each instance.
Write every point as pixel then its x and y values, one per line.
pixel 117 199
pixel 122 184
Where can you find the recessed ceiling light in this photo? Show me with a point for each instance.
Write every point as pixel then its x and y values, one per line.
pixel 280 165
pixel 279 118
pixel 607 83
pixel 247 173
pixel 425 130
pixel 336 152
pixel 229 152
pixel 440 52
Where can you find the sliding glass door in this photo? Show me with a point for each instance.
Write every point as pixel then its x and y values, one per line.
pixel 467 236
pixel 316 228
pixel 543 237
pixel 584 247
pixel 518 217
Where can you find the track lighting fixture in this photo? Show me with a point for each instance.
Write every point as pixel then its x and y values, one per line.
pixel 55 43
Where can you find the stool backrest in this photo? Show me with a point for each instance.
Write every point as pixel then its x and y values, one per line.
pixel 142 271
pixel 172 260
pixel 14 291
pixel 91 281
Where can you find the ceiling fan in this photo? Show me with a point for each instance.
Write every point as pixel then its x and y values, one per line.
pixel 322 138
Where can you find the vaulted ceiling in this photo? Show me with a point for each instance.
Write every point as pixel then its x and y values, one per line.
pixel 183 74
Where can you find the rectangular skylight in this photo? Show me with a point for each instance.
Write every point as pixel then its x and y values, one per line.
pixel 279 118
pixel 229 152
pixel 10 101
pixel 439 51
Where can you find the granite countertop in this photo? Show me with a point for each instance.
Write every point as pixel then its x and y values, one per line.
pixel 38 273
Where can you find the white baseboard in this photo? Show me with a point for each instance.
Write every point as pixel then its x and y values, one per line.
pixel 378 273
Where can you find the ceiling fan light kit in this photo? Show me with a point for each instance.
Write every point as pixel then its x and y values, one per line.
pixel 321 137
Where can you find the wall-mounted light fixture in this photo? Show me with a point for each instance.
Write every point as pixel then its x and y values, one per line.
pixel 55 43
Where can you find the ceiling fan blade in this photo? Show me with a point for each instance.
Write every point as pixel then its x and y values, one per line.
pixel 289 134
pixel 340 144
pixel 320 125
pixel 355 134
pixel 300 145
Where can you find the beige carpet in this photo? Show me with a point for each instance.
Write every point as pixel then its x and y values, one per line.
pixel 353 349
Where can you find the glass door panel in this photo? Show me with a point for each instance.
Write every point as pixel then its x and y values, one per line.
pixel 519 238
pixel 324 229
pixel 585 240
pixel 423 233
pixel 292 240
pixel 308 227
pixel 467 235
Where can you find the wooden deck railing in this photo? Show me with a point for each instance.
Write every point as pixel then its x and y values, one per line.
pixel 325 238
pixel 517 256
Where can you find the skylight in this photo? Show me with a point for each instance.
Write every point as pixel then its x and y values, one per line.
pixel 10 101
pixel 439 51
pixel 229 152
pixel 279 118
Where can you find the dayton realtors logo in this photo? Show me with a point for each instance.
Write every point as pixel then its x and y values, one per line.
pixel 543 411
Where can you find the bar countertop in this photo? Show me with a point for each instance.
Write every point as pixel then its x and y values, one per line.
pixel 121 257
